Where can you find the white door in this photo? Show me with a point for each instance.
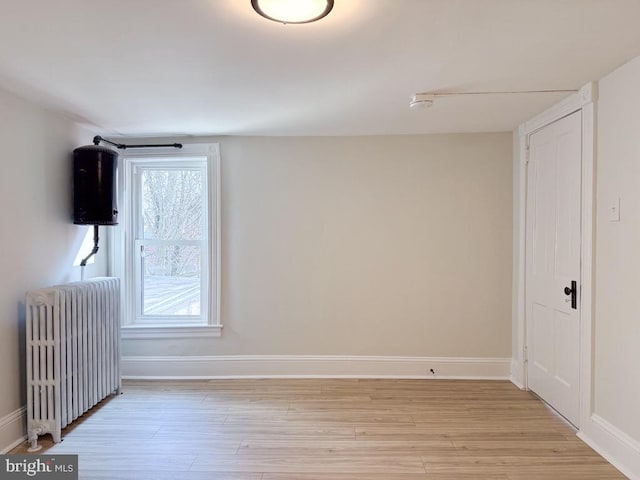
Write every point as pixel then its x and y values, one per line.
pixel 553 263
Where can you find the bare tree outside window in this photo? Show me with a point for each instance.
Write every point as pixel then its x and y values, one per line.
pixel 172 216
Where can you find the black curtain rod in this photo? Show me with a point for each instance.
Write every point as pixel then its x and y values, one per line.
pixel 97 139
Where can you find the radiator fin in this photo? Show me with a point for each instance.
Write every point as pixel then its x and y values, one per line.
pixel 73 352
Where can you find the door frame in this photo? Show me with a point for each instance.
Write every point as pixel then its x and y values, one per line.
pixel 584 100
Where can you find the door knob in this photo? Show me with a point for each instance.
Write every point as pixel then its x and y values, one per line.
pixel 573 291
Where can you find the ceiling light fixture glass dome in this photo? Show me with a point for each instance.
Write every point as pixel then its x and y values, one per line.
pixel 293 11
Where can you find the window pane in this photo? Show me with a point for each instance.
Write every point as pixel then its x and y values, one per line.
pixel 172 204
pixel 171 280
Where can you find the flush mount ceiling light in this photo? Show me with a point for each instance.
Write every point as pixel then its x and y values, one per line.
pixel 293 11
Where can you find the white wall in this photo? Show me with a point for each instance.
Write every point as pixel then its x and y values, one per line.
pixel 617 329
pixel 38 242
pixel 396 246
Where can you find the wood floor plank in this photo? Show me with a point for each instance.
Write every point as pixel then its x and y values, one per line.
pixel 164 475
pixel 341 447
pixel 327 463
pixel 259 430
pixel 571 472
pixel 135 462
pixel 454 433
pixel 151 446
pixel 327 430
pixel 348 476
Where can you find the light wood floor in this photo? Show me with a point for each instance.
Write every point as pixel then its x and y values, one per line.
pixel 327 430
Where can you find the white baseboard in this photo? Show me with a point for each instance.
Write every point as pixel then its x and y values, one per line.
pixel 306 366
pixel 618 448
pixel 516 374
pixel 12 430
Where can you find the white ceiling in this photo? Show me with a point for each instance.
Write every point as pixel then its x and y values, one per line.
pixel 166 67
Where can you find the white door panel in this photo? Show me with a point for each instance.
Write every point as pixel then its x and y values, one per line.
pixel 553 262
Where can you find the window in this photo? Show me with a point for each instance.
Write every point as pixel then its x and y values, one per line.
pixel 170 242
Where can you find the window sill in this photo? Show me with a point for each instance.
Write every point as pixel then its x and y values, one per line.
pixel 137 332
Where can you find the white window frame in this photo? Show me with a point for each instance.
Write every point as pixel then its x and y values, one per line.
pixel 122 245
